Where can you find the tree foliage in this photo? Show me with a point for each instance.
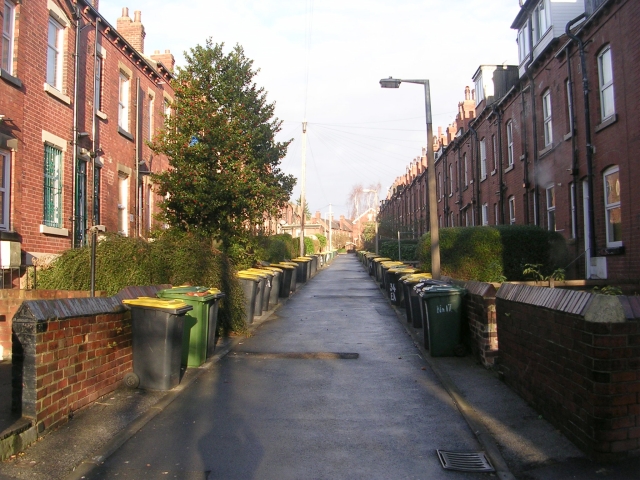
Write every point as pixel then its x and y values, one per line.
pixel 220 140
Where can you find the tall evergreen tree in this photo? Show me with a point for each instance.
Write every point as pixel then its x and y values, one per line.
pixel 224 161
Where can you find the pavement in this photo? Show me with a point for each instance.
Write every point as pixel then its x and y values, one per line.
pixel 333 383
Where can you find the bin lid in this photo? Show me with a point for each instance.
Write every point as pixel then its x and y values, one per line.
pixel 415 277
pixel 174 306
pixel 286 266
pixel 249 276
pixel 406 269
pixel 260 271
pixel 191 294
pixel 440 290
pixel 274 269
pixel 255 273
pixel 390 264
pixel 301 259
pixel 382 259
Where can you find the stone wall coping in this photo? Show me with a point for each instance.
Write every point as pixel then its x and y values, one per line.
pixel 593 307
pixel 45 310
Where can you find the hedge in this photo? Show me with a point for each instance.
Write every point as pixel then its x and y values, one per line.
pixel 495 253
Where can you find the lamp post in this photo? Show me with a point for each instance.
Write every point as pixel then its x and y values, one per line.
pixel 431 173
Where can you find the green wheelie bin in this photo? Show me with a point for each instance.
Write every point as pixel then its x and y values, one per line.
pixel 200 324
pixel 443 319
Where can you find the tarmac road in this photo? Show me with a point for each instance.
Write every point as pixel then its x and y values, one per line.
pixel 283 405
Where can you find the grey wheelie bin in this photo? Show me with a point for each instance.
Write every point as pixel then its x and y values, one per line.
pixel 251 288
pixel 157 328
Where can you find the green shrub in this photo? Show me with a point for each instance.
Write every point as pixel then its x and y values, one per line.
pixel 309 247
pixel 279 248
pixel 173 257
pixel 497 253
pixel 322 241
pixel 389 249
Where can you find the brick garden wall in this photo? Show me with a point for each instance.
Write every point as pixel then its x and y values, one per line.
pixel 575 357
pixel 479 309
pixel 11 299
pixel 67 354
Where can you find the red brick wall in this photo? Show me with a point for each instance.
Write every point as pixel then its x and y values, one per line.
pixel 479 309
pixel 580 372
pixel 11 299
pixel 67 363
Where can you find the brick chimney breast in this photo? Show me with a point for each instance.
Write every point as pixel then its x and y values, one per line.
pixel 132 30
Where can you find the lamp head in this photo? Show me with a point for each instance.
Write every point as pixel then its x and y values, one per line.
pixel 390 82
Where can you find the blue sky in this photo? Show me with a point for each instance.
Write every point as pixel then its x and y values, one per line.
pixel 358 133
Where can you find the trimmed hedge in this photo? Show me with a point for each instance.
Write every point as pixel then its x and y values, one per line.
pixel 496 253
pixel 174 257
pixel 389 249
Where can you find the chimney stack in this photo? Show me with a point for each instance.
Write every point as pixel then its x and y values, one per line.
pixel 132 31
pixel 165 58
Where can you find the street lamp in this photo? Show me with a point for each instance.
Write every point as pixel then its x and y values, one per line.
pixel 431 173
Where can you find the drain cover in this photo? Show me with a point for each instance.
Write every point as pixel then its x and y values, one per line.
pixel 465 461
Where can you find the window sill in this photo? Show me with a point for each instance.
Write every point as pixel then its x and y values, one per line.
pixel 125 134
pixel 61 232
pixel 508 169
pixel 545 150
pixel 101 115
pixel 493 172
pixel 54 92
pixel 483 178
pixel 567 136
pixel 617 250
pixel 7 77
pixel 606 122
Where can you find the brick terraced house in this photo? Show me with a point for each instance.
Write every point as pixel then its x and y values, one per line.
pixel 79 99
pixel 552 141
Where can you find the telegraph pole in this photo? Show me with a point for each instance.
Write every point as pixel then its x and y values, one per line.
pixel 302 185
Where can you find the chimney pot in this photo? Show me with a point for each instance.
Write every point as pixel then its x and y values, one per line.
pixel 137 16
pixel 125 12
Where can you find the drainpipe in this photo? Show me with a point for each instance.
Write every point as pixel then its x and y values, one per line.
pixel 476 180
pixel 137 159
pixel 574 152
pixel 498 112
pixel 587 131
pixel 534 128
pixel 525 146
pixel 74 142
pixel 94 111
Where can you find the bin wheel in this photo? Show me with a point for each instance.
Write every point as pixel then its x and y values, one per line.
pixel 460 350
pixel 131 380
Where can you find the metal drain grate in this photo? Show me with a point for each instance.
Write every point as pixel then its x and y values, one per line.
pixel 465 461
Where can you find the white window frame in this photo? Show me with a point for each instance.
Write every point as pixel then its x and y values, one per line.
pixel 485 214
pixel 452 220
pixel 466 169
pixel 569 106
pixel 5 188
pixel 479 86
pixel 150 112
pixel 612 206
pixel 541 21
pixel 8 36
pixel 450 179
pixel 97 83
pixel 512 210
pixel 574 228
pixel 124 92
pixel 483 159
pixel 605 82
pixel 495 214
pixel 440 194
pixel 510 143
pixel 55 53
pixel 123 204
pixel 546 118
pixel 551 208
pixel 523 42
pixel 494 147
